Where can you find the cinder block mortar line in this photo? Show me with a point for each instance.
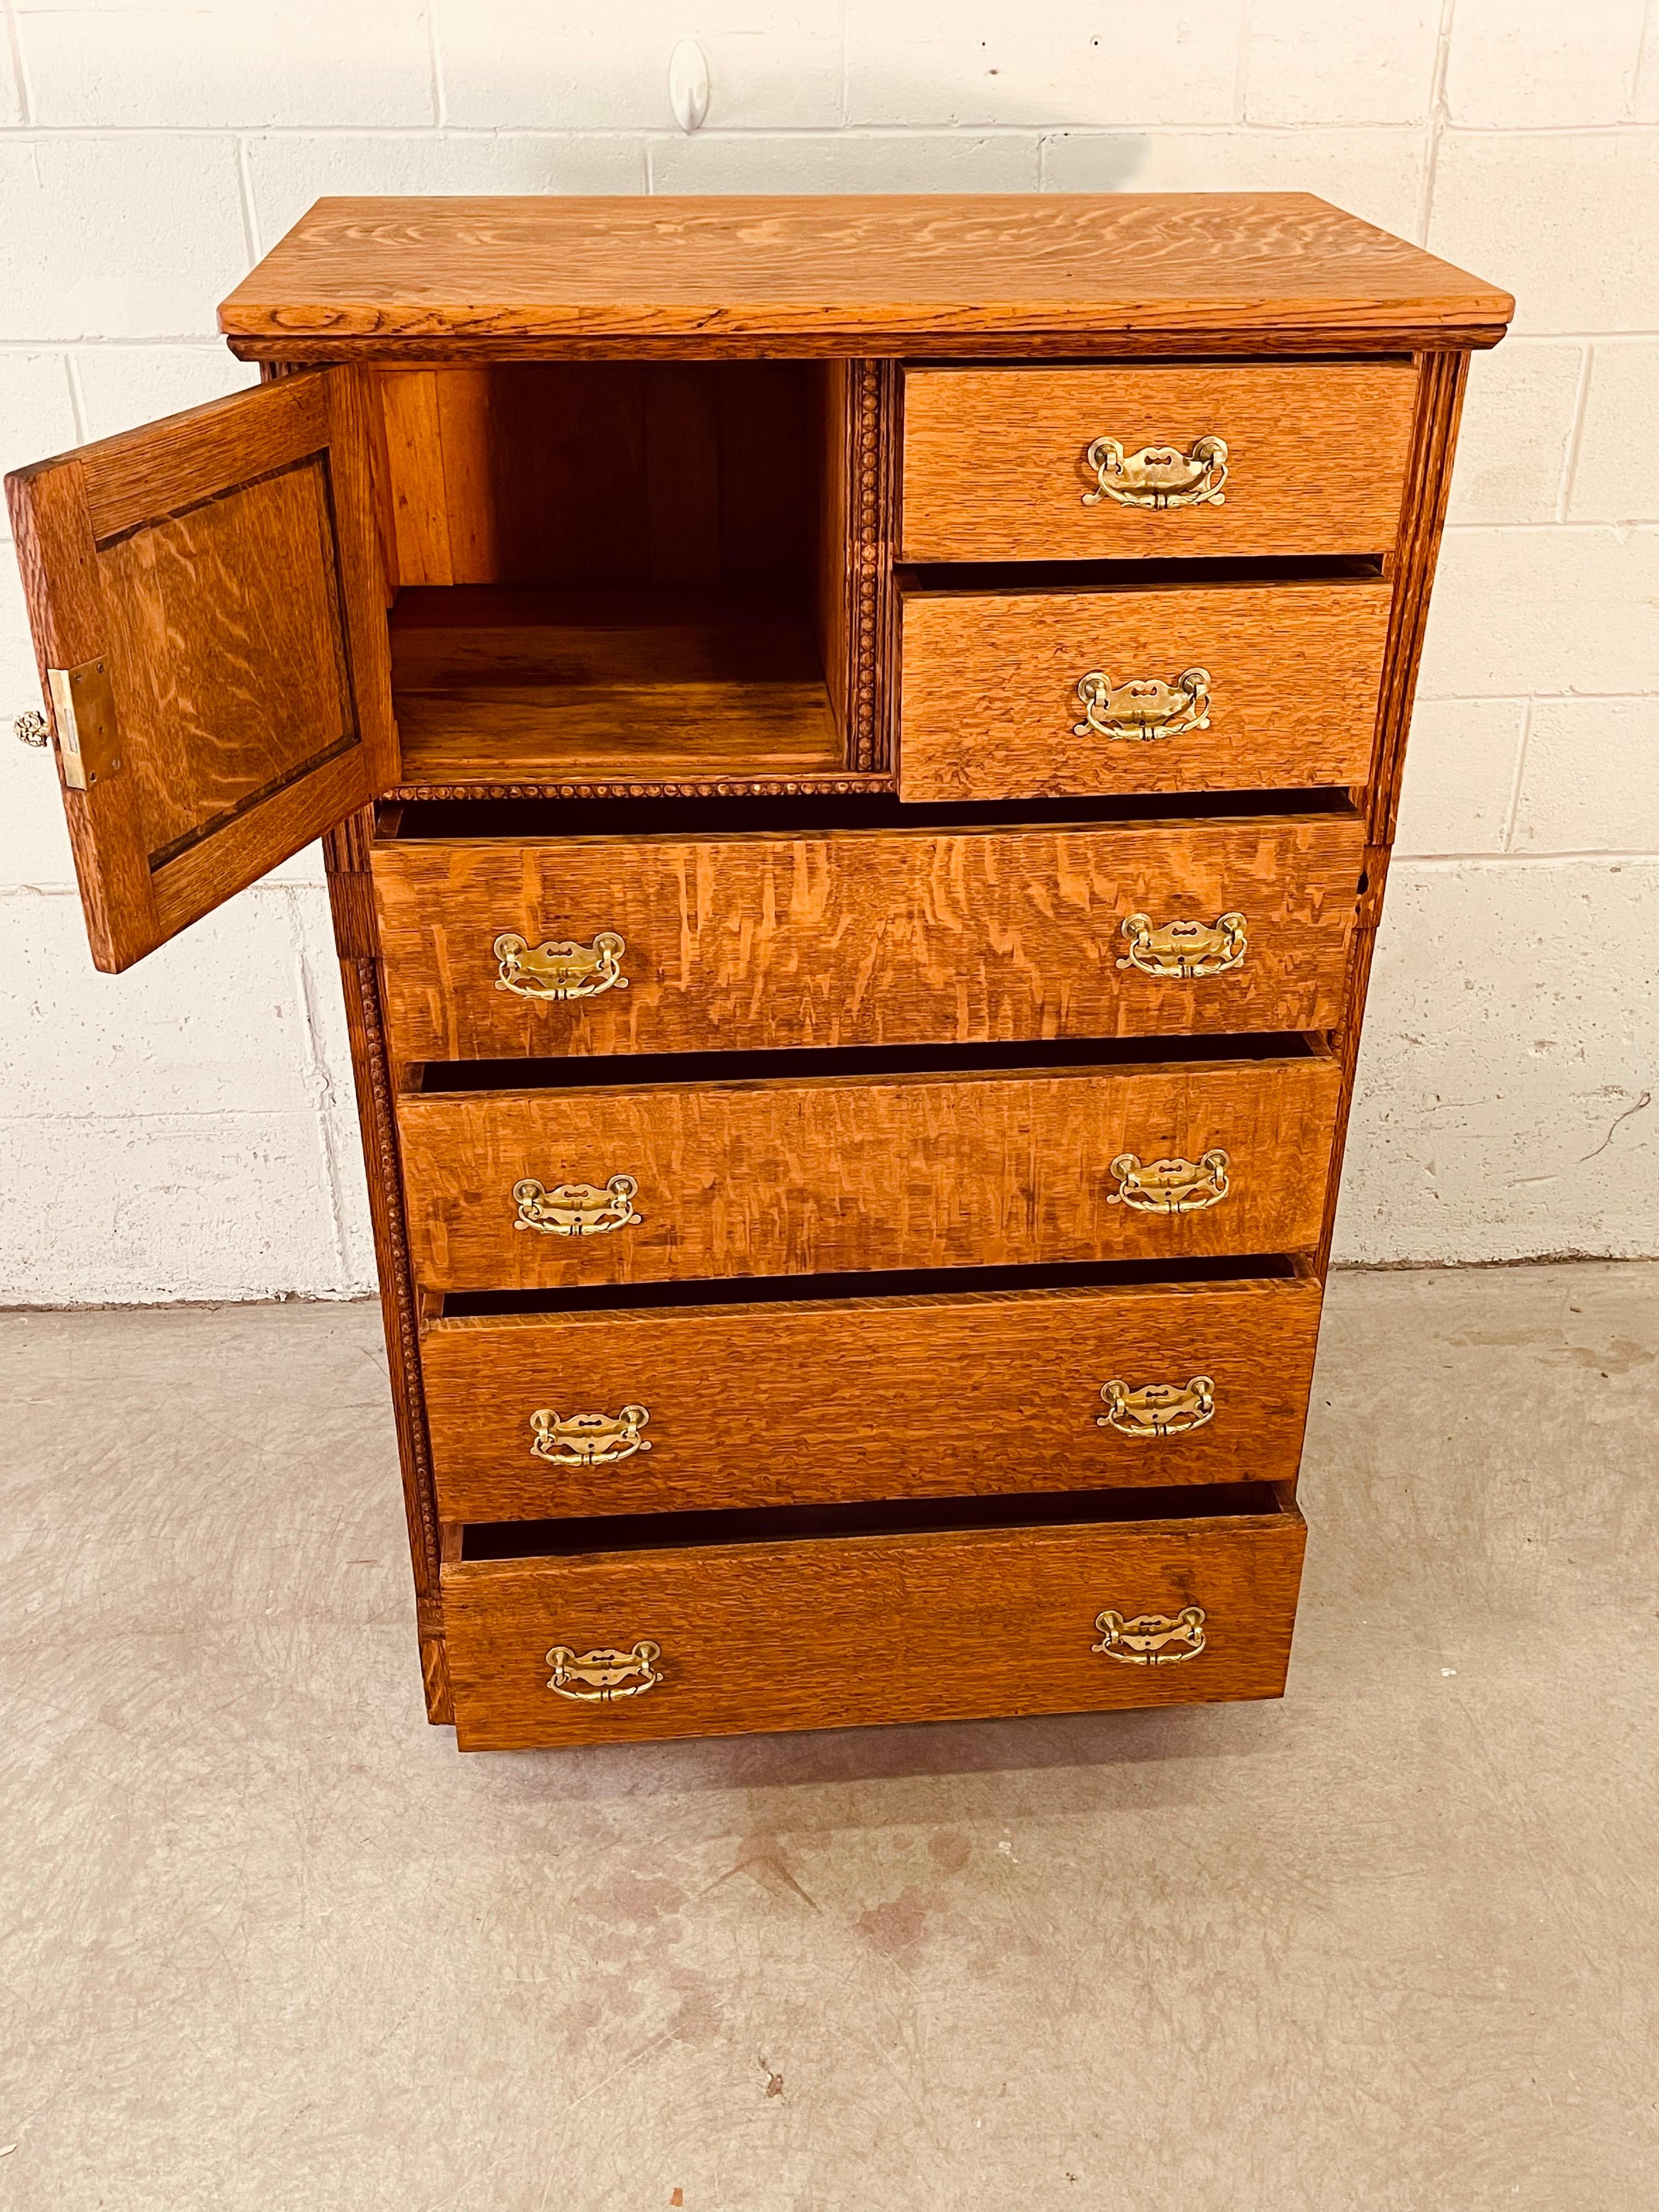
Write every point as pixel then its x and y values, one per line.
pixel 27 134
pixel 806 133
pixel 1496 857
pixel 1513 809
pixel 1436 120
pixel 245 195
pixel 435 52
pixel 78 398
pixel 15 42
pixel 318 1080
pixel 1576 438
pixel 669 133
pixel 1633 81
pixel 198 342
pixel 1242 60
pixel 153 1297
pixel 1545 529
pixel 1492 698
pixel 34 129
pixel 254 1115
pixel 1440 862
pixel 124 1306
pixel 1623 130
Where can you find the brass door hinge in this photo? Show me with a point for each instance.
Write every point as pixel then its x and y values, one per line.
pixel 83 717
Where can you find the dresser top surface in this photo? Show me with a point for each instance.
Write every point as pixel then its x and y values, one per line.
pixel 870 274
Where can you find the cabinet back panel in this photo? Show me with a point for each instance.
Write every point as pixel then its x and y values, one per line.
pixel 603 472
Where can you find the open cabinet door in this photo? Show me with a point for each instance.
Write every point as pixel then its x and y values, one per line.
pixel 208 614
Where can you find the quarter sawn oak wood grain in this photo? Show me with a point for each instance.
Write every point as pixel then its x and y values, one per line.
pixel 221 564
pixel 1229 270
pixel 863 1629
pixel 841 1399
pixel 844 1174
pixel 748 942
pixel 990 707
pixel 995 466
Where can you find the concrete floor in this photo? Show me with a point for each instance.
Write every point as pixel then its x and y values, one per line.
pixel 270 1942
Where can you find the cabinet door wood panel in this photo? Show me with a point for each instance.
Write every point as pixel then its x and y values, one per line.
pixel 864 938
pixel 865 1629
pixel 847 1173
pixel 995 467
pixel 822 1401
pixel 209 585
pixel 990 706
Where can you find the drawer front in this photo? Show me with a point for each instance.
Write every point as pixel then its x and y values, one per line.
pixel 834 1176
pixel 861 938
pixel 1027 694
pixel 997 466
pixel 697 1408
pixel 850 1631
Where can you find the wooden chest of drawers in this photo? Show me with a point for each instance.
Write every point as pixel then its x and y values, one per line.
pixel 856 822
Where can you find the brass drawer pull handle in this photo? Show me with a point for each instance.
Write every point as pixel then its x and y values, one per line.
pixel 1185 949
pixel 589 1439
pixel 1159 476
pixel 576 1209
pixel 559 968
pixel 604 1675
pixel 1144 707
pixel 1157 1409
pixel 1170 1186
pixel 1145 1640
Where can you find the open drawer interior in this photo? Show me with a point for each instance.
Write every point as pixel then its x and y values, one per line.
pixel 584 1535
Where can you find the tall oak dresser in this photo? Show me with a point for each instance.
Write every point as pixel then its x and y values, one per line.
pixel 856 742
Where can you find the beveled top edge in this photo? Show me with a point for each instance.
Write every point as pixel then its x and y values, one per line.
pixel 847 269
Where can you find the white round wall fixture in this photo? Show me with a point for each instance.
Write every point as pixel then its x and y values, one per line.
pixel 688 84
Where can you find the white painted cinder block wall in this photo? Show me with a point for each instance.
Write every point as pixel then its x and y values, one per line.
pixel 188 1130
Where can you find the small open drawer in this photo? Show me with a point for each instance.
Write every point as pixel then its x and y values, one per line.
pixel 593 1631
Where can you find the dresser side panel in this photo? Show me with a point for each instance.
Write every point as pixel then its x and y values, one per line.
pixel 1441 378
pixel 346 854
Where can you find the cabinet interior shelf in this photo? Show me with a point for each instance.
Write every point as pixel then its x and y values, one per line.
pixel 532 685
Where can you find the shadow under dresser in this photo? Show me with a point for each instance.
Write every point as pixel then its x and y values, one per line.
pixel 856 820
